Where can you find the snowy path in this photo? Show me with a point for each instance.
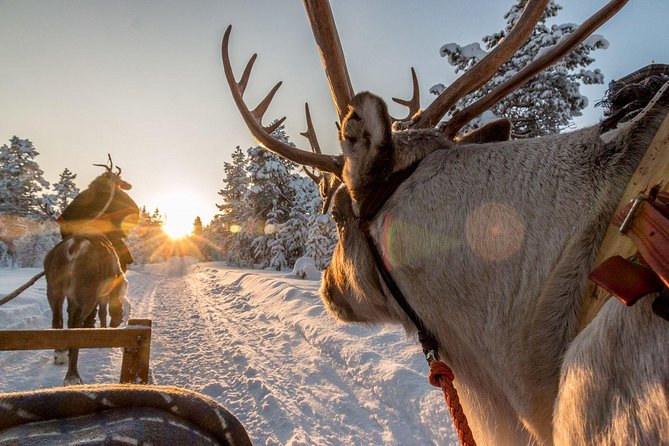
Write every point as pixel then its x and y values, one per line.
pixel 261 344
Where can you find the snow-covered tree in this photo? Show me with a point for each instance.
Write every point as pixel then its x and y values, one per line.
pixel 5 258
pixel 234 192
pixel 21 179
pixel 268 213
pixel 295 230
pixel 31 249
pixel 214 238
pixel 147 240
pixel 269 177
pixel 197 226
pixel 550 101
pixel 223 231
pixel 65 190
pixel 268 200
pixel 321 240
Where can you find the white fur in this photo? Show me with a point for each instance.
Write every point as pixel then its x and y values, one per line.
pixel 492 244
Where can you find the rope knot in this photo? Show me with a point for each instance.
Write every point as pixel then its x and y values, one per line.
pixel 438 370
pixel 442 376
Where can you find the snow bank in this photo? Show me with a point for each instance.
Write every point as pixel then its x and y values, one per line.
pixel 261 344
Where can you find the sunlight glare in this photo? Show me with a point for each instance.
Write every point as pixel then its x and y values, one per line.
pixel 176 229
pixel 180 209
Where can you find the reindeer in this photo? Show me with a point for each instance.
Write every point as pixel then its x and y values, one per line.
pixel 105 208
pixel 86 270
pixel 88 266
pixel 491 245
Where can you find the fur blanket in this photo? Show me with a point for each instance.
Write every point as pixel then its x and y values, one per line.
pixel 116 414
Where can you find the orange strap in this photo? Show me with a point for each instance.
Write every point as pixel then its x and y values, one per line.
pixel 442 376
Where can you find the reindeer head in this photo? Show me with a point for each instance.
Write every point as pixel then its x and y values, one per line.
pixel 367 144
pixel 350 285
pixel 371 151
pixel 110 179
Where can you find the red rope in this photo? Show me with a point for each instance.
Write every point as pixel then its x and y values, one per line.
pixel 442 376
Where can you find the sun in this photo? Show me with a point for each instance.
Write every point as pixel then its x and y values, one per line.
pixel 177 228
pixel 179 208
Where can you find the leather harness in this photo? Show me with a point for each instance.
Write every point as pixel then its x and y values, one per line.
pixel 369 207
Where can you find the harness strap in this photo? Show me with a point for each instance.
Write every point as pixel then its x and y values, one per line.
pixel 371 206
pixel 645 221
pixel 441 374
pixel 427 339
pixel 109 200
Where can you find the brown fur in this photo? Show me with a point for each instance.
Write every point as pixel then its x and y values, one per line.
pixel 84 269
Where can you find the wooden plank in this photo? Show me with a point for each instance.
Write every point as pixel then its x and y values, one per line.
pixel 131 336
pixel 135 365
pixel 653 170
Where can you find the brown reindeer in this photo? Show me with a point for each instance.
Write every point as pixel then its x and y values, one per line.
pixel 491 245
pixel 84 269
pixel 105 208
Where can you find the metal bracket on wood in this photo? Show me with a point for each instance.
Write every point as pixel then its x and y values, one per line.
pixel 135 365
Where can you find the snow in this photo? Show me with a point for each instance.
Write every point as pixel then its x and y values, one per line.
pixel 472 51
pixel 305 268
pixel 261 344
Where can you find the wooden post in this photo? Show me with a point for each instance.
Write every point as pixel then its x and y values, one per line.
pixel 135 339
pixel 135 365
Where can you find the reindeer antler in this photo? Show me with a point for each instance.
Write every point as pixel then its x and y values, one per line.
pixel 110 164
pixel 412 104
pixel 557 52
pixel 253 119
pixel 334 64
pixel 327 183
pixel 485 69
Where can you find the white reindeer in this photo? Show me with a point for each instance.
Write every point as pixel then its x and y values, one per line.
pixel 492 244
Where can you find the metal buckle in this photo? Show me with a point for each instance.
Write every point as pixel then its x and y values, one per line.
pixel 431 356
pixel 630 215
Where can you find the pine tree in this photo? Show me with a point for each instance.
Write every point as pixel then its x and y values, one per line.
pixel 215 239
pixel 550 101
pixel 321 240
pixel 223 231
pixel 268 200
pixel 21 179
pixel 147 239
pixel 235 190
pixel 65 190
pixel 197 227
pixel 295 230
pixel 157 218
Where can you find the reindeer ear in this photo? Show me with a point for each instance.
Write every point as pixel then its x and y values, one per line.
pixel 494 131
pixel 367 122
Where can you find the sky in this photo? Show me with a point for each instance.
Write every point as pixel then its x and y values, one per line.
pixel 143 79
